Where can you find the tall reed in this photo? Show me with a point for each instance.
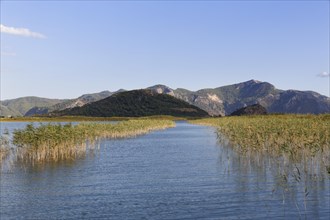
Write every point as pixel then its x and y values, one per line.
pixel 4 148
pixel 296 137
pixel 58 142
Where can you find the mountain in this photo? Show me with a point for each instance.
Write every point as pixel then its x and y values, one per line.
pixel 292 101
pixel 255 109
pixel 216 101
pixel 19 106
pixel 28 106
pixel 71 103
pixel 5 111
pixel 162 89
pixel 226 99
pixel 144 102
pixel 82 100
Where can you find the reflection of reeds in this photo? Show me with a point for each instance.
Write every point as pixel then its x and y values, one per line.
pixel 291 151
pixel 297 137
pixel 53 142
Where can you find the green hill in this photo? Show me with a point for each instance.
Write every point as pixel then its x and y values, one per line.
pixel 19 106
pixel 136 103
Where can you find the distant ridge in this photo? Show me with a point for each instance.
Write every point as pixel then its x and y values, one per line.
pixel 217 101
pixel 19 106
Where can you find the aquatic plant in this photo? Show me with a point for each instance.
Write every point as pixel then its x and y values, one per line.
pixel 58 142
pixel 294 148
pixel 296 137
pixel 4 148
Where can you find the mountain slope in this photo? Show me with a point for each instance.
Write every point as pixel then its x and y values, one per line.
pixel 5 111
pixel 136 103
pixel 19 106
pixel 70 103
pixel 82 100
pixel 292 101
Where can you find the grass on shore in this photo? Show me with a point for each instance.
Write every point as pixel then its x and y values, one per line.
pixel 53 142
pixel 61 119
pixel 296 136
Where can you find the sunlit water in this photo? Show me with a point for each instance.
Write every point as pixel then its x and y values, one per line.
pixel 178 173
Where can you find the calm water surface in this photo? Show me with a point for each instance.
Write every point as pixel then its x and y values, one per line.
pixel 178 173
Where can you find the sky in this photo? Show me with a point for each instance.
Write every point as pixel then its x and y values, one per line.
pixel 63 49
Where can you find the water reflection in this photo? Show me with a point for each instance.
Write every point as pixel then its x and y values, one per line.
pixel 300 189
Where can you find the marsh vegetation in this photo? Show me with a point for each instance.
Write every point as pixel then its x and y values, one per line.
pixel 295 138
pixel 53 142
pixel 4 148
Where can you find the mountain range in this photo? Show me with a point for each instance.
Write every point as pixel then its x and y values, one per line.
pixel 216 101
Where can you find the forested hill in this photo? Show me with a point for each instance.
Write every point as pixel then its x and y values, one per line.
pixel 136 103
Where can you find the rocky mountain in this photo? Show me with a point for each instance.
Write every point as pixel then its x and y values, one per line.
pixel 161 89
pixel 292 101
pixel 144 102
pixel 226 99
pixel 216 101
pixel 255 109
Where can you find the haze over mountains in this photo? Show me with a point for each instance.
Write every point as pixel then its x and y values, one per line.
pixel 218 101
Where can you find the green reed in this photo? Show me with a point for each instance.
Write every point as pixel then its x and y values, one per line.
pixel 295 149
pixel 4 148
pixel 297 137
pixel 53 142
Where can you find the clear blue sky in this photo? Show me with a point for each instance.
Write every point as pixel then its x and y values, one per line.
pixel 60 49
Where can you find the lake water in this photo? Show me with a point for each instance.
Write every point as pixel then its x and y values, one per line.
pixel 178 173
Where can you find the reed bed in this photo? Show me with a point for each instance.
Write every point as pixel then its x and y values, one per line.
pixel 53 142
pixel 4 148
pixel 294 137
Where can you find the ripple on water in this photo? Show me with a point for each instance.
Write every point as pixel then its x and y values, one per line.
pixel 177 173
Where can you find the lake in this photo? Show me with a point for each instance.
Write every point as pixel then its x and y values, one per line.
pixel 178 173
